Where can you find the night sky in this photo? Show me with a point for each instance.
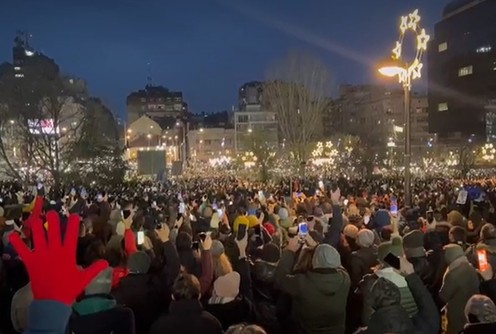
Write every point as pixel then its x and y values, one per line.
pixel 205 48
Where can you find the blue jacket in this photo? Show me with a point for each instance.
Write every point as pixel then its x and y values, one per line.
pixel 48 317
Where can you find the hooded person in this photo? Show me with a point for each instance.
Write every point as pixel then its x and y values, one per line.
pixel 138 291
pixel 318 296
pixel 20 308
pixel 460 282
pixel 226 303
pixel 413 246
pixel 363 259
pixel 384 270
pixel 381 219
pixel 97 311
pixel 480 313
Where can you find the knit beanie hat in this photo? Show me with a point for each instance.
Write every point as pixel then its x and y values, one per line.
pixel 452 252
pixel 120 229
pixel 270 253
pixel 455 218
pixel 139 263
pixel 326 257
pixel 207 212
pixel 283 213
pixel 394 247
pixel 381 219
pixel 350 231
pixel 413 244
pixel 482 307
pixel 240 220
pixel 217 248
pixel 227 286
pixel 101 284
pixel 365 238
pixel 488 231
pixel 269 228
pixel 253 221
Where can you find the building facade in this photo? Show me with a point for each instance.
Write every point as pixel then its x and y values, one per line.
pixel 462 71
pixel 158 103
pixel 211 144
pixel 376 115
pixel 252 120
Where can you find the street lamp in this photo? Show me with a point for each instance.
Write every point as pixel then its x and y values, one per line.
pixel 406 73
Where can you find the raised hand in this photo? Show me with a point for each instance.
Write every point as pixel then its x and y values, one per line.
pixel 51 265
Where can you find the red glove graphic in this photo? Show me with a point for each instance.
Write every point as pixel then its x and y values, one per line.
pixel 52 265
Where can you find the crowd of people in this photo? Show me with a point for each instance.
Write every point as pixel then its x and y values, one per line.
pixel 224 255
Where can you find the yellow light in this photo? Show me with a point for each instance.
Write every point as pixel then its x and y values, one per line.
pixel 397 51
pixel 422 40
pixel 404 24
pixel 391 71
pixel 414 20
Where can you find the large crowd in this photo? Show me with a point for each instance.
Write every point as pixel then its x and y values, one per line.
pixel 224 255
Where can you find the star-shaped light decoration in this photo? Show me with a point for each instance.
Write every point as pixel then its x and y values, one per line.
pixel 414 19
pixel 329 144
pixel 416 70
pixel 422 40
pixel 397 50
pixel 404 24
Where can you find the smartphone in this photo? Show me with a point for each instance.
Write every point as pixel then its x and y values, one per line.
pixel 195 245
pixel 302 229
pixel 241 231
pixel 321 185
pixel 214 206
pixel 345 202
pixel 182 207
pixel 482 257
pixel 392 260
pixel 141 237
pixel 261 194
pixel 366 220
pixel 394 206
pixel 126 214
pixel 220 212
pixel 258 230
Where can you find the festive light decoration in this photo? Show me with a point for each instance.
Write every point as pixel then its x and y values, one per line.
pixel 488 152
pixel 413 69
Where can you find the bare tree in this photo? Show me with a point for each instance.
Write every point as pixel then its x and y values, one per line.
pixel 265 152
pixel 467 159
pixel 296 90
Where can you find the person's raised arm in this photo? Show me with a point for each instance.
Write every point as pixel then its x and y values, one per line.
pixel 336 224
pixel 207 265
pixel 55 278
pixel 173 264
pixel 284 279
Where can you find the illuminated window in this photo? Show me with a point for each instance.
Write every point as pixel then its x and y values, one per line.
pixel 442 106
pixel 19 75
pixel 484 49
pixel 467 70
pixel 442 47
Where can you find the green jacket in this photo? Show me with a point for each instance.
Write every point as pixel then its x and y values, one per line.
pixel 94 304
pixel 318 297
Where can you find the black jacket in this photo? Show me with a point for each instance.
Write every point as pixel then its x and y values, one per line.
pixel 232 313
pixel 479 329
pixel 141 294
pixel 187 316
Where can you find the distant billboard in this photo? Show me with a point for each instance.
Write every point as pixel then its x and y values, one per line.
pixel 151 162
pixel 42 126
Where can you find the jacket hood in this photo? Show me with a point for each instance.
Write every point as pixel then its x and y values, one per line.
pixel 327 281
pixel 92 305
pixel 391 319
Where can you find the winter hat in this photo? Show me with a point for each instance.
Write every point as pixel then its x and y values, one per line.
pixel 326 257
pixel 270 253
pixel 283 213
pixel 101 284
pixel 482 307
pixel 207 212
pixel 365 238
pixel 452 252
pixel 394 247
pixel 413 244
pixel 353 211
pixel 318 212
pixel 217 248
pixel 253 221
pixel 455 218
pixel 350 231
pixel 120 229
pixel 240 220
pixel 269 228
pixel 139 263
pixel 227 286
pixel 488 231
pixel 384 293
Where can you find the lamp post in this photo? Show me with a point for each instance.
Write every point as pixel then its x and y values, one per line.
pixel 406 73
